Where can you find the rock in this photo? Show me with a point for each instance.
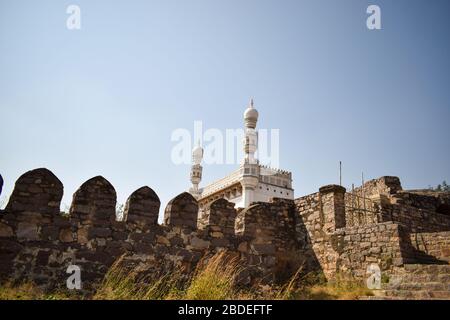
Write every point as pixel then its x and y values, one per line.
pixel 5 231
pixel 99 232
pixel 217 234
pixel 162 240
pixel 65 235
pixel 198 243
pixel 220 242
pixel 82 235
pixel 243 247
pixel 27 231
pixel 263 248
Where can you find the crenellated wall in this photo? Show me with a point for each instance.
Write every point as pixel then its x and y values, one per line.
pixel 272 240
pixel 38 243
pixel 142 209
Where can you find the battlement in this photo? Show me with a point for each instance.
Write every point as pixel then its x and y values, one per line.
pixel 38 243
pixel 330 231
pixel 266 170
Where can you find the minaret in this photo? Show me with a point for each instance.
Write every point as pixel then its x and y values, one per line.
pixel 251 136
pixel 250 164
pixel 196 170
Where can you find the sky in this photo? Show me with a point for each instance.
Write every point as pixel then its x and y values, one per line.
pixel 105 99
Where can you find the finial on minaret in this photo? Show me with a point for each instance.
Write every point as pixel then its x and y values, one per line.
pixel 251 115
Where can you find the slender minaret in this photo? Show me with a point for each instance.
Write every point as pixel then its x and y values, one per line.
pixel 250 164
pixel 196 170
pixel 251 135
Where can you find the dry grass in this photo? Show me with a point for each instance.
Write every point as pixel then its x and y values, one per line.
pixel 29 291
pixel 313 286
pixel 214 279
pixel 122 284
pixel 341 288
pixel 347 291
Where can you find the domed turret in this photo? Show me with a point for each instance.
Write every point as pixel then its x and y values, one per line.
pixel 197 154
pixel 251 116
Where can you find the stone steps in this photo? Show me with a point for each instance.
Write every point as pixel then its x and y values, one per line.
pixel 397 298
pixel 427 268
pixel 413 294
pixel 430 286
pixel 416 282
pixel 417 278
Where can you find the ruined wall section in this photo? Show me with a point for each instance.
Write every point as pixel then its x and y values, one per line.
pixel 437 201
pixel 404 208
pixel 342 250
pixel 431 247
pixel 388 238
pixel 383 199
pixel 386 185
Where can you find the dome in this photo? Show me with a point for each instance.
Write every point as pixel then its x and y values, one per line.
pixel 197 154
pixel 251 116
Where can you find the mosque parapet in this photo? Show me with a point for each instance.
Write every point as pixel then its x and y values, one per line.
pixel 223 183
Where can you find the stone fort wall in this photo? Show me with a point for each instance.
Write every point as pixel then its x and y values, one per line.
pixel 38 243
pixel 272 240
pixel 396 227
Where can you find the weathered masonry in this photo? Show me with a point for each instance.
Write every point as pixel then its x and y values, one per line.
pixel 331 231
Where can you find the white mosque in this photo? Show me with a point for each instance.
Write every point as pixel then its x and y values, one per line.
pixel 251 182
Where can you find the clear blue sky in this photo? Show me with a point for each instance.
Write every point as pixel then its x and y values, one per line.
pixel 105 99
